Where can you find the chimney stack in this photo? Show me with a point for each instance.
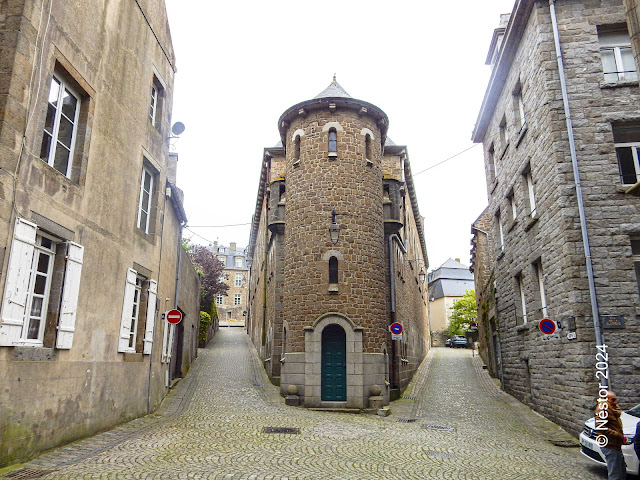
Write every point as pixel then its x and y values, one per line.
pixel 232 246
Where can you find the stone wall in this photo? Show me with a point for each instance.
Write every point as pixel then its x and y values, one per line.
pixel 552 373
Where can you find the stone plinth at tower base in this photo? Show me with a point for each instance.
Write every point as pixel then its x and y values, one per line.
pixel 304 369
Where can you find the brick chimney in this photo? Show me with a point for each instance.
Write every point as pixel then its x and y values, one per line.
pixel 232 246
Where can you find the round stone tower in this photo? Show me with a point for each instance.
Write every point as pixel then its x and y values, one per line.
pixel 334 290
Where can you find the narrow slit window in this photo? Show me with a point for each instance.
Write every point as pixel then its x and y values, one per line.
pixel 333 141
pixel 367 146
pixel 333 270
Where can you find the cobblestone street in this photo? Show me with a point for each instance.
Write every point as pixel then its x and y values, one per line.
pixel 211 426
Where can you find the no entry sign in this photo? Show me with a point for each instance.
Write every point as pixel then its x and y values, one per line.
pixel 174 316
pixel 547 326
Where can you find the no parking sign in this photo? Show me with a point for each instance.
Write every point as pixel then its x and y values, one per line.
pixel 547 326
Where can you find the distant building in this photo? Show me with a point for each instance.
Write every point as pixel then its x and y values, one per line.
pixel 337 248
pixel 232 307
pixel 447 284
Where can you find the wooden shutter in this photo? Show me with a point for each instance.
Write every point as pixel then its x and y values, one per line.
pixel 127 310
pixel 70 291
pixel 151 316
pixel 16 287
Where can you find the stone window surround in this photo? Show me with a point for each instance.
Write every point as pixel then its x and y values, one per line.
pixel 313 361
pixel 297 137
pixel 368 138
pixel 325 129
pixel 333 287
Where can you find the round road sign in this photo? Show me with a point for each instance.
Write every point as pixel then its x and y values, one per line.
pixel 174 316
pixel 547 326
pixel 396 328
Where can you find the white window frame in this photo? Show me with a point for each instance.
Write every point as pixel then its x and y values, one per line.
pixel 500 233
pixel 141 207
pixel 512 203
pixel 523 118
pixel 634 146
pixel 18 296
pixel 237 299
pixel 54 144
pixel 39 249
pixel 154 103
pixel 135 315
pixel 238 280
pixel 543 298
pixel 238 262
pixel 532 196
pixel 523 301
pixel 229 314
pixel 622 74
pixel 219 299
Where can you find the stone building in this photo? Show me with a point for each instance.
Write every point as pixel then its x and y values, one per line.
pixel 90 220
pixel 232 307
pixel 336 249
pixel 565 250
pixel 446 285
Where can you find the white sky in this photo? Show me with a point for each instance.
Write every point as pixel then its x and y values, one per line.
pixel 242 64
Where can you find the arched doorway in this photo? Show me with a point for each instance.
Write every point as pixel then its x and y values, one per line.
pixel 334 364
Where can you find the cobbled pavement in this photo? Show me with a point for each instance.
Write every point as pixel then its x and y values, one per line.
pixel 453 424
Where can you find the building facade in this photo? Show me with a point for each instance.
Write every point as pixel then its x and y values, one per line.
pixel 90 217
pixel 336 249
pixel 232 307
pixel 564 249
pixel 446 285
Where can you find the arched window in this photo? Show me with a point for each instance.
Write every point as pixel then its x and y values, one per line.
pixel 333 141
pixel 333 270
pixel 367 146
pixel 296 149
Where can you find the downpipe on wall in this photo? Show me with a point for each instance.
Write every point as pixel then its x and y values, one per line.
pixel 392 294
pixel 576 175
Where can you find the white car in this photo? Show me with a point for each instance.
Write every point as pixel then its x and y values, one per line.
pixel 591 450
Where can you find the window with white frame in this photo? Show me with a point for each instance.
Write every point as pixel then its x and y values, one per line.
pixel 491 166
pixel 219 299
pixel 518 104
pixel 222 259
pixel 43 281
pixel 500 234
pixel 537 266
pixel 531 197
pixel 238 280
pixel 61 126
pixel 229 315
pixel 626 140
pixel 155 106
pixel 635 252
pixel 138 314
pixel 239 263
pixel 502 131
pixel 512 205
pixel 144 202
pixel 237 299
pixel 615 51
pixel 522 299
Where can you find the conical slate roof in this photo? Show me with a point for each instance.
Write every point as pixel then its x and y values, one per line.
pixel 333 90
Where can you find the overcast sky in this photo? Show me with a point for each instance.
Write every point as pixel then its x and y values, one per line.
pixel 242 64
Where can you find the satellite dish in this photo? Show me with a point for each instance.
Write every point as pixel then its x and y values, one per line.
pixel 177 128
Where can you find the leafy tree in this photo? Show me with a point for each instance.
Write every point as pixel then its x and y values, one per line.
pixel 463 313
pixel 211 271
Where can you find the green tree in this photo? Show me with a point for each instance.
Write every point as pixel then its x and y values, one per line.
pixel 463 313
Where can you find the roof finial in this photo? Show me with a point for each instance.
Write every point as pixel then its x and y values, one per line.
pixel 334 78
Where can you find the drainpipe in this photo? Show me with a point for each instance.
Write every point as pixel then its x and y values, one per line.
pixel 392 294
pixel 576 174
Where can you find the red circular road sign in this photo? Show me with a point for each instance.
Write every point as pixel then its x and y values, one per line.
pixel 547 326
pixel 174 316
pixel 396 328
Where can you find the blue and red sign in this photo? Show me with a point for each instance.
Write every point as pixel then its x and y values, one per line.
pixel 396 328
pixel 547 326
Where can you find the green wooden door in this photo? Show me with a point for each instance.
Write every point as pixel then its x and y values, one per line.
pixel 334 364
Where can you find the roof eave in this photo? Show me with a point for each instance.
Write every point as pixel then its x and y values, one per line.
pixel 513 34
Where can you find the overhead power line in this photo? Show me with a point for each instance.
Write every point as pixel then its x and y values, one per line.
pixel 447 159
